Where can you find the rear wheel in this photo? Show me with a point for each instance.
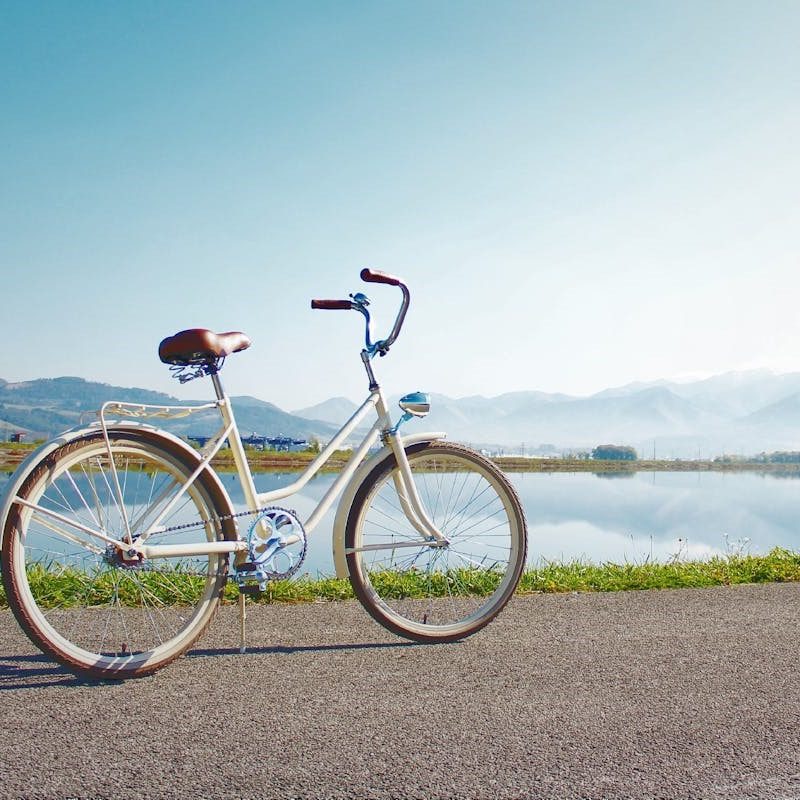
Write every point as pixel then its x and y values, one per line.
pixel 425 591
pixel 76 596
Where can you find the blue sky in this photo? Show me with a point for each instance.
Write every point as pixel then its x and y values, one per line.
pixel 578 194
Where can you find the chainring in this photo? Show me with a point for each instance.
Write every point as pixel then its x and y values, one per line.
pixel 276 547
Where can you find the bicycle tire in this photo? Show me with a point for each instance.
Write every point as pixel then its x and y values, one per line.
pixel 90 611
pixel 437 594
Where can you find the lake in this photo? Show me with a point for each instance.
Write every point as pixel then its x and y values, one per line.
pixel 611 517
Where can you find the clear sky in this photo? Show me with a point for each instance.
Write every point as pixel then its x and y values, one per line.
pixel 579 194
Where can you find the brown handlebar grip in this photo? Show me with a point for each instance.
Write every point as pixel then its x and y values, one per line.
pixel 374 276
pixel 332 305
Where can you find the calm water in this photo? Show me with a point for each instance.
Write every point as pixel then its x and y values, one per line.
pixel 612 518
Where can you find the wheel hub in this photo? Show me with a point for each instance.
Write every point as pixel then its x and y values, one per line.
pixel 123 557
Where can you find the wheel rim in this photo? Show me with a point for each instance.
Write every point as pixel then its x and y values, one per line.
pixel 87 608
pixel 439 592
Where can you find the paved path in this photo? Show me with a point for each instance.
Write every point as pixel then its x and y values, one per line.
pixel 670 694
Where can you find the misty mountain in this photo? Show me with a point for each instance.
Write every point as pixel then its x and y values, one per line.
pixel 571 421
pixel 738 413
pixel 732 394
pixel 335 411
pixel 783 414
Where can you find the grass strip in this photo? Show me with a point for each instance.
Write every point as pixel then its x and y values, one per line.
pixel 61 586
pixel 777 566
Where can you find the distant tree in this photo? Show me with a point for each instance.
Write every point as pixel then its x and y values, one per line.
pixel 614 452
pixel 784 457
pixel 313 445
pixel 729 459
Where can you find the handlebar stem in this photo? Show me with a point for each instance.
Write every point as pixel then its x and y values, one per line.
pixel 373 381
pixel 359 302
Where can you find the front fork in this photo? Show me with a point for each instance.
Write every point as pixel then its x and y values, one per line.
pixel 407 493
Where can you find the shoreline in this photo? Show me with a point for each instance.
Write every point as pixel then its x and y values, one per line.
pixel 11 455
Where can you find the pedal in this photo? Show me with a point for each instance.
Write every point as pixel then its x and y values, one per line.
pixel 250 578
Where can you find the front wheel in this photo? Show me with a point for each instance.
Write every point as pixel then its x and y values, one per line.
pixel 428 592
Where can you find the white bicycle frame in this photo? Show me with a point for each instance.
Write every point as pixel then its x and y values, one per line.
pixel 347 482
pixel 394 443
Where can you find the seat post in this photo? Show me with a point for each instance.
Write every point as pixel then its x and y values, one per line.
pixel 215 379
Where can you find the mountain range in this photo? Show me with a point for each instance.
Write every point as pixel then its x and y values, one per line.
pixel 44 407
pixel 736 413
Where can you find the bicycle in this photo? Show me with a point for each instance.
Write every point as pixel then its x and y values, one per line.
pixel 118 538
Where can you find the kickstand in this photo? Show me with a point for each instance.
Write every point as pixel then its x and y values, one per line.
pixel 242 618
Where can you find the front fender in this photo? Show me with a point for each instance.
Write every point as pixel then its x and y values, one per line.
pixel 147 431
pixel 349 493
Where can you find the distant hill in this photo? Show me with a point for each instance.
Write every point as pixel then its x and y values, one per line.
pixel 336 411
pixel 45 407
pixel 72 392
pixel 783 414
pixel 734 394
pixel 737 413
pixel 259 417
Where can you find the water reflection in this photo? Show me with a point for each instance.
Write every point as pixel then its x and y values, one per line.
pixel 610 516
pixel 657 515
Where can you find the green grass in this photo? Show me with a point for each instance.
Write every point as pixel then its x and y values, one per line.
pixel 778 566
pixel 57 586
pixel 300 590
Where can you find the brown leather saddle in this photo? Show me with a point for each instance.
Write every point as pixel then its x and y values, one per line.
pixel 200 346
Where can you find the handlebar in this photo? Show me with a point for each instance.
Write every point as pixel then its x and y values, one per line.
pixel 359 302
pixel 374 276
pixel 332 305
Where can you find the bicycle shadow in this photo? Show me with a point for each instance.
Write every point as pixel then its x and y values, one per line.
pixel 37 672
pixel 41 672
pixel 277 650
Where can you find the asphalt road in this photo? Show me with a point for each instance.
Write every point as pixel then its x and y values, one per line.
pixel 669 694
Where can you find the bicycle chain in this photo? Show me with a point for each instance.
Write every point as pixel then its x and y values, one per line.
pixel 223 518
